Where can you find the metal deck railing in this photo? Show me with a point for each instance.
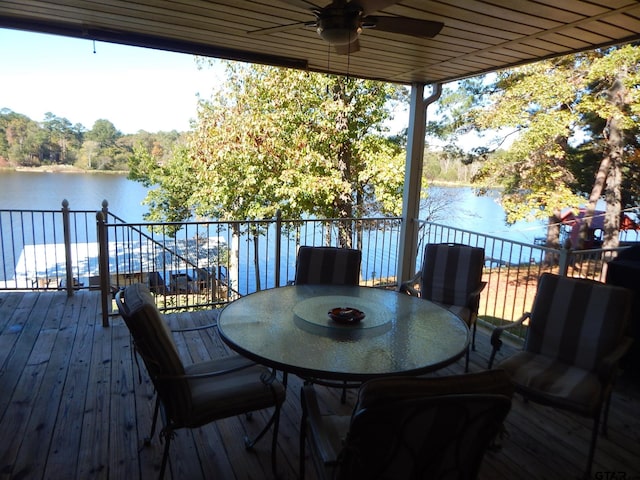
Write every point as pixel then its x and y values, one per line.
pixel 205 264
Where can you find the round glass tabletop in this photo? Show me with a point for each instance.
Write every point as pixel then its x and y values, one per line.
pixel 289 329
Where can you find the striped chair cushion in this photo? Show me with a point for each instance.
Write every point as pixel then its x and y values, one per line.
pixel 553 382
pixel 328 433
pixel 192 402
pixel 150 332
pixel 228 395
pixel 425 428
pixel 450 273
pixel 154 343
pixel 576 321
pixel 384 390
pixel 328 266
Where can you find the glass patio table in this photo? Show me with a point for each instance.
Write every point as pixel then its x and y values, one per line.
pixel 289 329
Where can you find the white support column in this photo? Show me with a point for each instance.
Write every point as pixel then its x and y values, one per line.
pixel 413 179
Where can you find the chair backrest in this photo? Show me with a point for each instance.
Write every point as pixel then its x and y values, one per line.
pixel 425 428
pixel 328 266
pixel 154 343
pixel 156 283
pixel 577 321
pixel 630 253
pixel 451 272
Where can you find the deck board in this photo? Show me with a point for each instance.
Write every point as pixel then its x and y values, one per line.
pixel 73 405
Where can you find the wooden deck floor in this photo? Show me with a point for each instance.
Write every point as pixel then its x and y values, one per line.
pixel 72 406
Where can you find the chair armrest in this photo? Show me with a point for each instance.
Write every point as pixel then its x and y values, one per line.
pixel 607 366
pixel 496 342
pixel 473 299
pixel 478 290
pixel 409 287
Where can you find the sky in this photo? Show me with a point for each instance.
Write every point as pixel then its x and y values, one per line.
pixel 134 88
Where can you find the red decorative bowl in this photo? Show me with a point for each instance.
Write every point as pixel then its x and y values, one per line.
pixel 346 315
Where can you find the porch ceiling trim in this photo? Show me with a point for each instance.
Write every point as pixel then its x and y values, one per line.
pixel 479 36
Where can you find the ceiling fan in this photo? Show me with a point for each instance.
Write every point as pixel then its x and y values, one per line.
pixel 341 22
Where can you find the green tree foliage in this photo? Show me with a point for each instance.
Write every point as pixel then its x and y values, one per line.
pixel 110 151
pixel 62 139
pixel 545 107
pixel 56 141
pixel 172 200
pixel 448 164
pixel 104 132
pixel 536 101
pixel 613 111
pixel 24 142
pixel 273 139
pixel 159 145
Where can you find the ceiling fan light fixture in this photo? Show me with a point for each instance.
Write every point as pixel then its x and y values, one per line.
pixel 339 29
pixel 339 36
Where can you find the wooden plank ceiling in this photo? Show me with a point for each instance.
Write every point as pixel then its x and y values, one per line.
pixel 478 35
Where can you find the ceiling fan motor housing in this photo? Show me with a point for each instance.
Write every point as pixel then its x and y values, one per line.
pixel 339 26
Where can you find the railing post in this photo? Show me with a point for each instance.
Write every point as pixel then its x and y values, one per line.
pixel 563 262
pixel 66 228
pixel 105 210
pixel 278 245
pixel 103 263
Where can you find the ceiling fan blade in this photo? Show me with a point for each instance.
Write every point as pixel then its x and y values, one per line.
pixel 347 49
pixel 406 26
pixel 280 28
pixel 370 6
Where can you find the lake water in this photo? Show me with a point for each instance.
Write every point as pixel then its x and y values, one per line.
pixel 45 191
pixel 85 192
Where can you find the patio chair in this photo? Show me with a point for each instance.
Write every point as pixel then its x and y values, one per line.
pixel 194 395
pixel 573 344
pixel 328 266
pixel 156 283
pixel 624 271
pixel 408 427
pixel 451 276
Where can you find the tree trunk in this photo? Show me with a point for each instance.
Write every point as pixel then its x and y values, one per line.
pixel 613 194
pixel 256 260
pixel 344 203
pixel 553 240
pixel 609 175
pixel 596 193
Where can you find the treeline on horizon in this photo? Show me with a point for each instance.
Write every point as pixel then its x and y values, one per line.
pixel 56 141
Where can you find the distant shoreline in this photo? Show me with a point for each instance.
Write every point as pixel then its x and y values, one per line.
pixel 60 169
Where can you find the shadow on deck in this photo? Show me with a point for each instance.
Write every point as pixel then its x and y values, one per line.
pixel 73 404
